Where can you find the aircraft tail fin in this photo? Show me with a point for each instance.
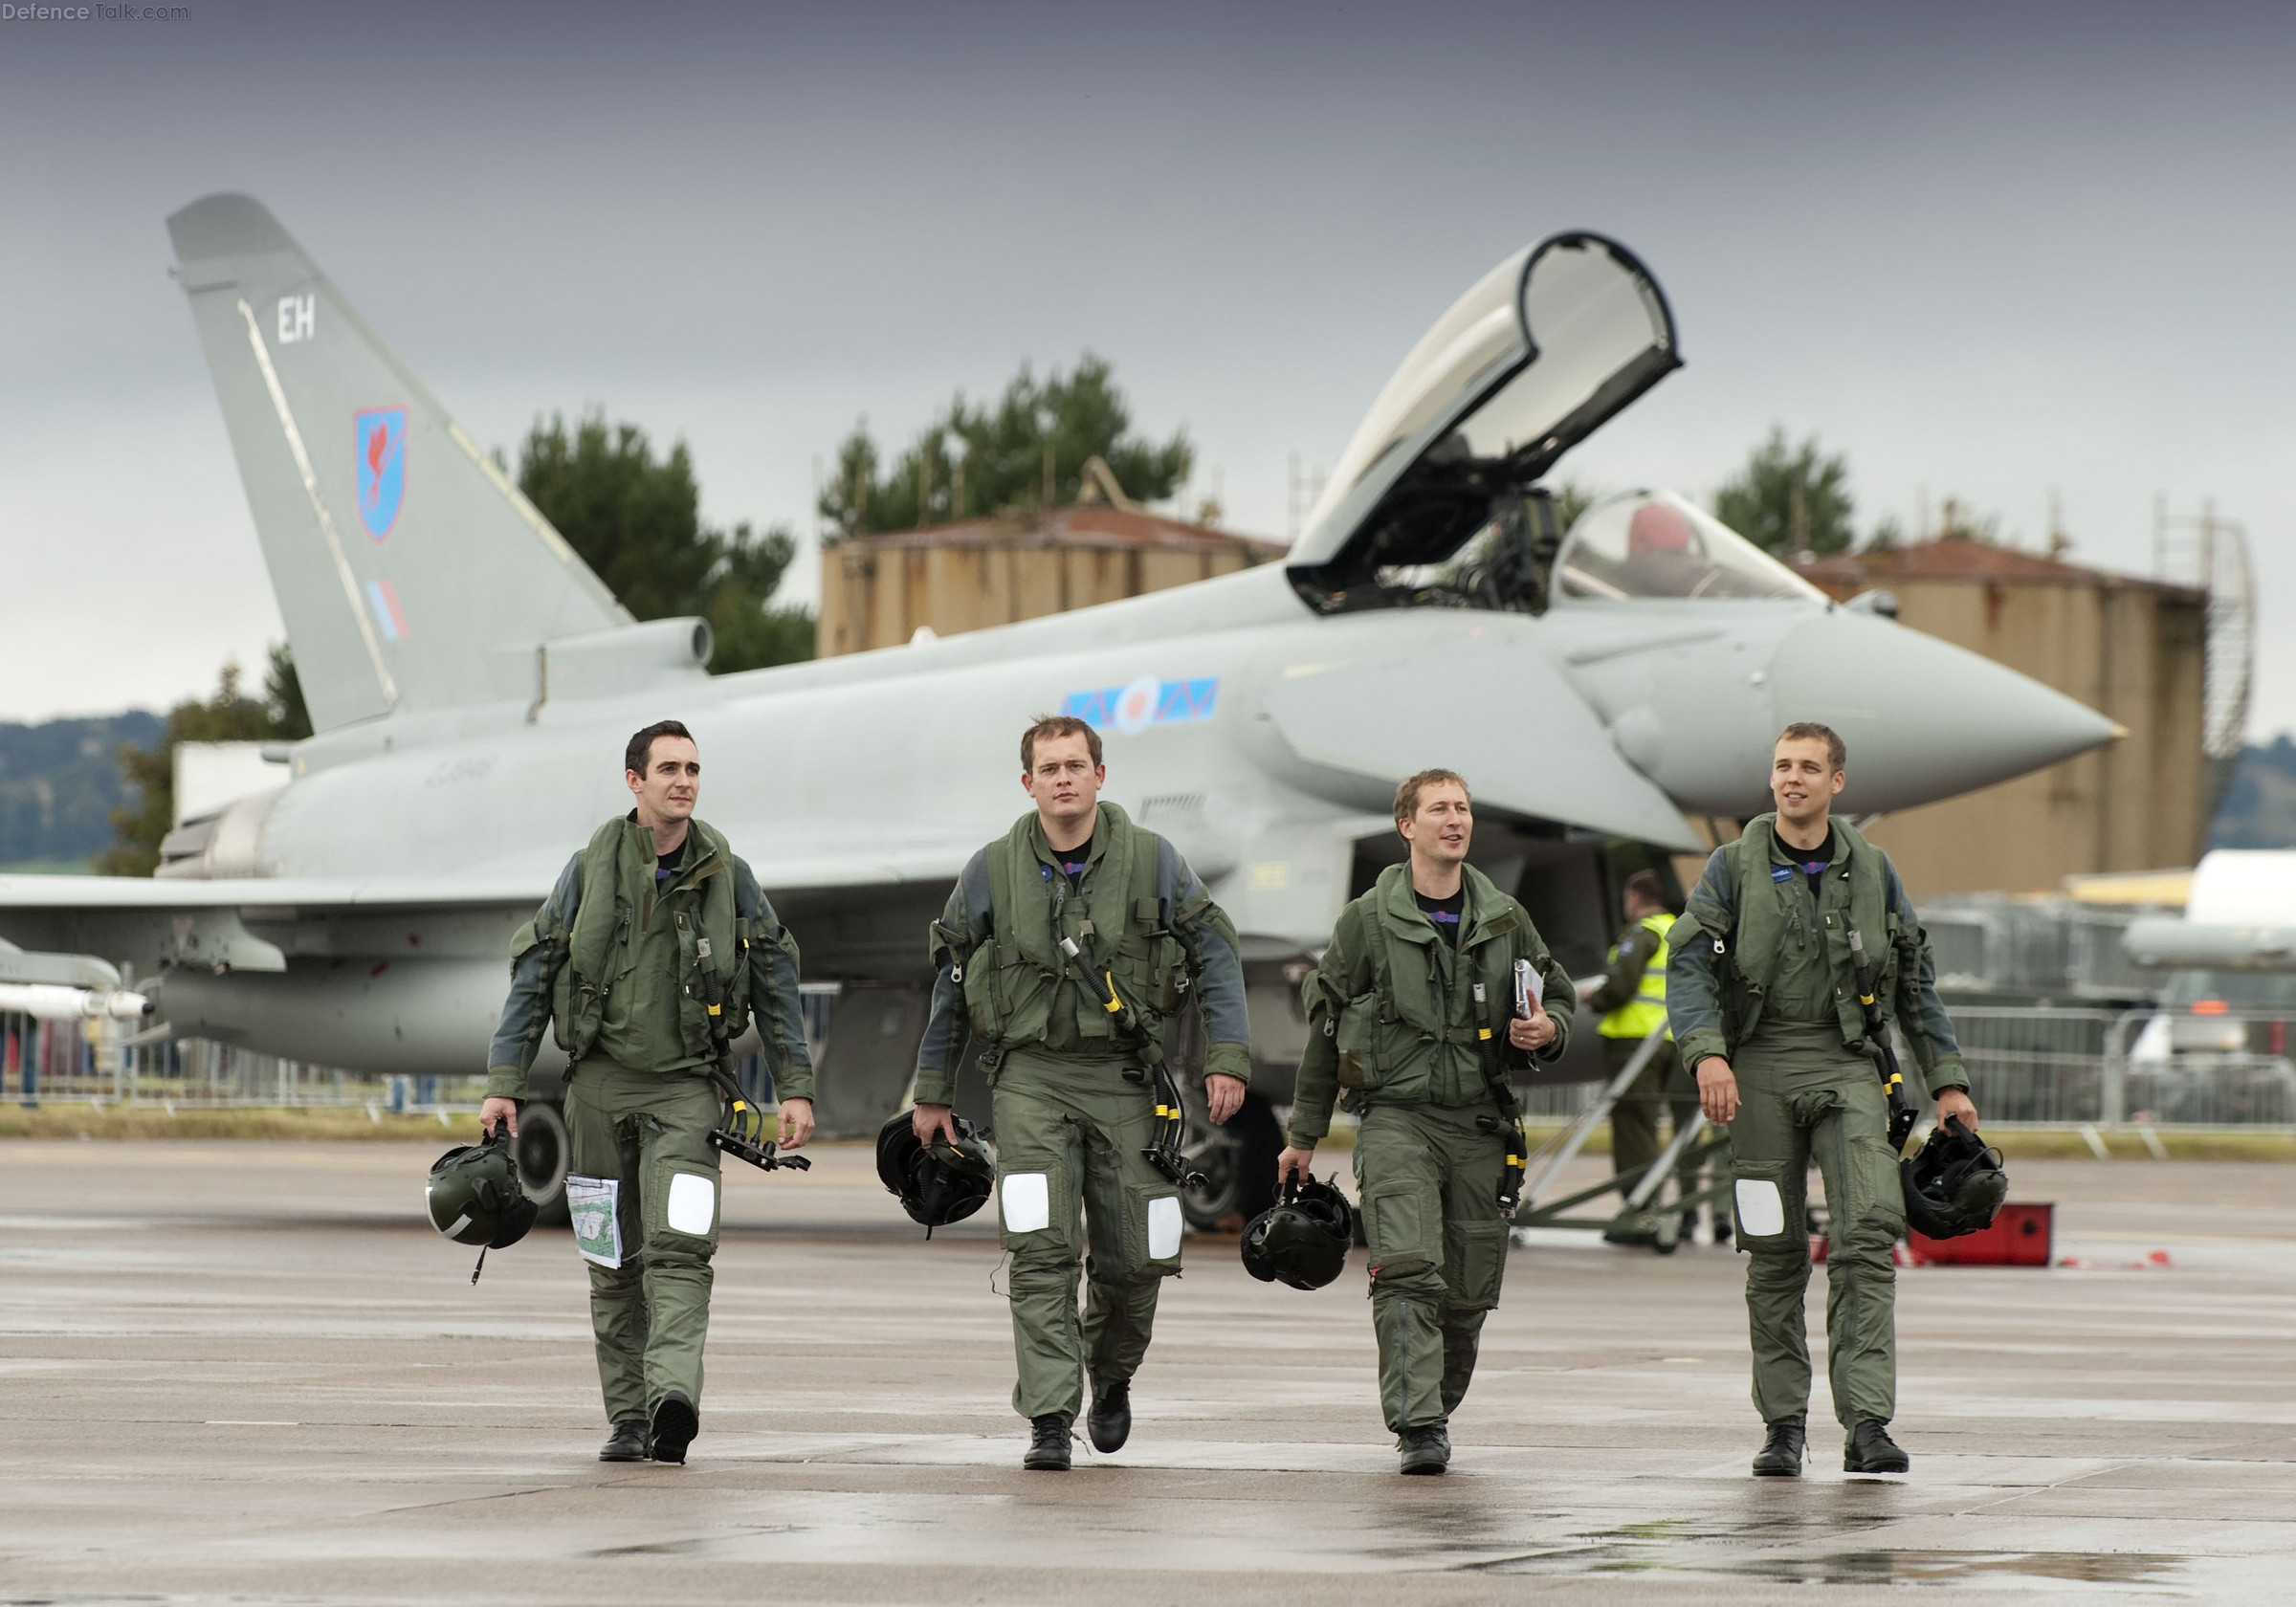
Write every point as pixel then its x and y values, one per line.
pixel 409 570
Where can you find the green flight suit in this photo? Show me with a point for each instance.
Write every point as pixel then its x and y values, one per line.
pixel 1071 1105
pixel 650 1315
pixel 1079 1124
pixel 1394 1026
pixel 1780 1003
pixel 614 960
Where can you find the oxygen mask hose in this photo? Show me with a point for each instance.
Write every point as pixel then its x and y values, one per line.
pixel 1508 1123
pixel 1518 1159
pixel 741 1130
pixel 1903 1112
pixel 760 1153
pixel 1165 1152
pixel 1102 982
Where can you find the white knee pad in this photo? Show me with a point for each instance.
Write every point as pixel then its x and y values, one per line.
pixel 1026 1200
pixel 1762 1211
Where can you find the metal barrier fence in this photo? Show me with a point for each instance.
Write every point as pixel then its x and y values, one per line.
pixel 2033 1067
pixel 2040 1066
pixel 2212 1067
pixel 62 1063
pixel 2209 1067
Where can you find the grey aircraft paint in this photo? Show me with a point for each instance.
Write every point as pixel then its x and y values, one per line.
pixel 473 684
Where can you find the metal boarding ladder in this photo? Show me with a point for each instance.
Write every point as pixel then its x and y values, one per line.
pixel 1637 1188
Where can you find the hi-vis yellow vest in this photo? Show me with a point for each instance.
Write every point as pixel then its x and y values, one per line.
pixel 1647 1011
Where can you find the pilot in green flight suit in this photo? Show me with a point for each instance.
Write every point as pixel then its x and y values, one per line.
pixel 1631 1000
pixel 1765 1000
pixel 1411 1023
pixel 616 957
pixel 1074 1095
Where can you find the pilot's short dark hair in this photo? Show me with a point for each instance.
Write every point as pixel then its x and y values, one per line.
pixel 1836 753
pixel 1644 884
pixel 641 746
pixel 1406 796
pixel 1058 725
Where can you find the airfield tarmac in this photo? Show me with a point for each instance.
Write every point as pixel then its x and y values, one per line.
pixel 250 1372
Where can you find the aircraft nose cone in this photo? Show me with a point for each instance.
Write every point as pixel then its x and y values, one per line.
pixel 1923 719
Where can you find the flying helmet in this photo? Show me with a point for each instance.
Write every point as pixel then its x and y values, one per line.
pixel 939 1186
pixel 474 1197
pixel 1954 1184
pixel 1302 1239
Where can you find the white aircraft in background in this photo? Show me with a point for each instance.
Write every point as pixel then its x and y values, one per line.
pixel 472 683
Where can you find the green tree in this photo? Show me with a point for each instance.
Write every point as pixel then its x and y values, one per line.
pixel 1789 499
pixel 1027 449
pixel 636 520
pixel 283 696
pixel 229 716
pixel 1958 520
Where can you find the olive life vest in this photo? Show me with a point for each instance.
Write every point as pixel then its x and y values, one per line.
pixel 617 895
pixel 1013 979
pixel 1755 941
pixel 1647 1011
pixel 1410 1039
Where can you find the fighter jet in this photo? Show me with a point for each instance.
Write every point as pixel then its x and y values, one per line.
pixel 472 683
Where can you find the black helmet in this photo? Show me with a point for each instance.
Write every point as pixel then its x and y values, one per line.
pixel 1954 1184
pixel 1302 1239
pixel 474 1197
pixel 939 1186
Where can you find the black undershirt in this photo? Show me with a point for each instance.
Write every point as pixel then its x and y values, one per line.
pixel 665 865
pixel 1074 860
pixel 1445 914
pixel 1812 862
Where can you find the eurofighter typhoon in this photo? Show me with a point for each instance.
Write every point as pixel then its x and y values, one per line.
pixel 472 683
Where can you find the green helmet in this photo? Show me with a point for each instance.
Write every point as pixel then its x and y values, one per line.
pixel 938 1186
pixel 474 1194
pixel 1954 1184
pixel 1302 1239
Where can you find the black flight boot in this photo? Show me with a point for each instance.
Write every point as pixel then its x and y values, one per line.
pixel 1048 1444
pixel 1780 1455
pixel 1110 1417
pixel 675 1422
pixel 1869 1449
pixel 627 1443
pixel 1426 1449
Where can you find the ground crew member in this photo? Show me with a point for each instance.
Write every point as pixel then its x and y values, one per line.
pixel 1763 990
pixel 1066 946
pixel 1411 1025
pixel 1631 1000
pixel 617 958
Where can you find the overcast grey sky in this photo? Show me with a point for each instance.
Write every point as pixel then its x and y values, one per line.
pixel 1984 250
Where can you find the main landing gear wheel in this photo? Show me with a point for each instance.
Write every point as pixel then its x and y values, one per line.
pixel 1237 1160
pixel 543 1149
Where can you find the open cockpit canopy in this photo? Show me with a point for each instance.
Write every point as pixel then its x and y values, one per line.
pixel 1528 363
pixel 1653 544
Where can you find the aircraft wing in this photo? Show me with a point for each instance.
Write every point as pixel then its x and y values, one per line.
pixel 156 894
pixel 802 868
pixel 855 906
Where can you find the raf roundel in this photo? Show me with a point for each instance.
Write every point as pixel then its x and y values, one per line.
pixel 1129 709
pixel 1136 706
pixel 380 436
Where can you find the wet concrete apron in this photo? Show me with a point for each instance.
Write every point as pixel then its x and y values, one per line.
pixel 252 1371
